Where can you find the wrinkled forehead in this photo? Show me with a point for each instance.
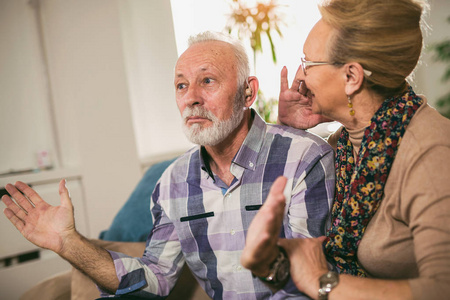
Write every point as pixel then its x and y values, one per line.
pixel 215 54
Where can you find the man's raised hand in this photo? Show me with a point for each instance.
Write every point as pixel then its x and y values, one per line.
pixel 262 237
pixel 44 225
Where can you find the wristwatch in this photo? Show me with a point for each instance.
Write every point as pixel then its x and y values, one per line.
pixel 327 282
pixel 279 270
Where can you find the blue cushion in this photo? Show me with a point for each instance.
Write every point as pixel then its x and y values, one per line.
pixel 134 220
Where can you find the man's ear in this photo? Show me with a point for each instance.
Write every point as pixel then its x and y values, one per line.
pixel 251 91
pixel 354 76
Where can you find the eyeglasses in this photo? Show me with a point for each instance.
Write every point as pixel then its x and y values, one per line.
pixel 306 64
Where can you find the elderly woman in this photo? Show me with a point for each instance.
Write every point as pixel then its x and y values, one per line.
pixel 390 226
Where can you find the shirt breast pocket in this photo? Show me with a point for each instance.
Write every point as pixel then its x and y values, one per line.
pixel 194 226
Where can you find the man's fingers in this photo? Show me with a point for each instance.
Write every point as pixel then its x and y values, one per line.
pixel 274 206
pixel 29 192
pixel 64 194
pixel 321 238
pixel 20 199
pixel 16 221
pixel 12 206
pixel 276 194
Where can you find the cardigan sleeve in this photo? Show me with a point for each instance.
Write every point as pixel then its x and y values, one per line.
pixel 426 189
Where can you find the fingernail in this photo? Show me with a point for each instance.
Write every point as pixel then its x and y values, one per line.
pixel 65 184
pixel 302 88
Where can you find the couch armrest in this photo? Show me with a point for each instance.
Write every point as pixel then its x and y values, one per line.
pixel 56 287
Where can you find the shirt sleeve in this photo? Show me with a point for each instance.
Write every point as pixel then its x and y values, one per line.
pixel 312 194
pixel 310 204
pixel 157 271
pixel 426 207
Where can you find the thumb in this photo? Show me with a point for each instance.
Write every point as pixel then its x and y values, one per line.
pixel 64 194
pixel 276 193
pixel 321 238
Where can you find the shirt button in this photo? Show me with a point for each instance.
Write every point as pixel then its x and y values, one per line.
pixel 228 195
pixel 232 232
pixel 238 268
pixel 250 164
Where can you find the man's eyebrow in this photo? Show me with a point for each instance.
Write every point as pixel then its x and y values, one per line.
pixel 202 69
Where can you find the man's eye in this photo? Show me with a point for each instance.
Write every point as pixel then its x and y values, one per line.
pixel 207 80
pixel 181 86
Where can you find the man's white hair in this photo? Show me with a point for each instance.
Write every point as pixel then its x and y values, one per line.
pixel 243 67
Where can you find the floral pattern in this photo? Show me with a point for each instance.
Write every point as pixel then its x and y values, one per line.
pixel 360 184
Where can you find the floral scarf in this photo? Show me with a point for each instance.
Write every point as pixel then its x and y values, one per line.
pixel 360 184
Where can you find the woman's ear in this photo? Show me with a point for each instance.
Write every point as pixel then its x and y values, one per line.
pixel 354 73
pixel 251 91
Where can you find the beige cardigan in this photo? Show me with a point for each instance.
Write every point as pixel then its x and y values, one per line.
pixel 409 236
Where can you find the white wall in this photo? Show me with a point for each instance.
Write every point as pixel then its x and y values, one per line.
pixel 22 84
pixel 90 99
pixel 150 56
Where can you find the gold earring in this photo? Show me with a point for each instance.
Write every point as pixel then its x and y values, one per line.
pixel 350 105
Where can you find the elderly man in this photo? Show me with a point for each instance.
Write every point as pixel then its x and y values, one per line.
pixel 205 201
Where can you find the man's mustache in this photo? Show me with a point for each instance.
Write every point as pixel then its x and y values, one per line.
pixel 198 112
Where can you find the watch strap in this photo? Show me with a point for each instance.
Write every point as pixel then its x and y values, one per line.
pixel 278 263
pixel 327 282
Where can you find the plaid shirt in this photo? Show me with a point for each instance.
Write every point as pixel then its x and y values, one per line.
pixel 201 221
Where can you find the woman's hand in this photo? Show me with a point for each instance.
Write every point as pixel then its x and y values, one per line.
pixel 44 225
pixel 261 244
pixel 294 106
pixel 308 262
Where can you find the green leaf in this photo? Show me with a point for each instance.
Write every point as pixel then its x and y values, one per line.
pixel 443 105
pixel 272 47
pixel 446 75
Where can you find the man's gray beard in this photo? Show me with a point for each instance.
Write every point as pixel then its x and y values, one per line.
pixel 218 131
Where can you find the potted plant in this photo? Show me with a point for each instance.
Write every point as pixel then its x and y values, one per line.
pixel 252 23
pixel 442 54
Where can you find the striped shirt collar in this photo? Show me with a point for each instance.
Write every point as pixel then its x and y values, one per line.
pixel 247 154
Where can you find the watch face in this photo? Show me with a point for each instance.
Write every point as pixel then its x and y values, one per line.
pixel 283 270
pixel 329 280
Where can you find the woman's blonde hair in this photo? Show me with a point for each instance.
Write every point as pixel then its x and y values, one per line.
pixel 384 36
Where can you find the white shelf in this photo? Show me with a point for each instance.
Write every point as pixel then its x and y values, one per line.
pixel 41 177
pixel 15 280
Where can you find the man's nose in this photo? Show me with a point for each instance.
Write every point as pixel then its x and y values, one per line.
pixel 193 96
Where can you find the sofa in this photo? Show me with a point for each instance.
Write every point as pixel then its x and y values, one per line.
pixel 127 234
